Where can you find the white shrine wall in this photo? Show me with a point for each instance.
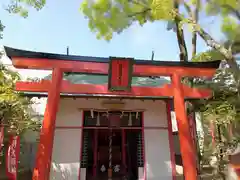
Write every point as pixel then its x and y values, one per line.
pixel 67 139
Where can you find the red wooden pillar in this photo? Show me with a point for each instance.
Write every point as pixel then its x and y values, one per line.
pixel 44 153
pixel 171 140
pixel 124 164
pixel 186 143
pixel 95 157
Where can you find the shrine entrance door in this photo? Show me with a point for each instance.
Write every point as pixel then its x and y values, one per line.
pixel 110 152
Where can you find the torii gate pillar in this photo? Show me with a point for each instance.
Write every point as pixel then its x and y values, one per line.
pixel 44 153
pixel 186 142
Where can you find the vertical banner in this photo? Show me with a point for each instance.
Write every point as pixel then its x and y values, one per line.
pixel 212 131
pixel 193 130
pixel 12 157
pixel 1 136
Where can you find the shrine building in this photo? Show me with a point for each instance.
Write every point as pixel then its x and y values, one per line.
pixel 115 129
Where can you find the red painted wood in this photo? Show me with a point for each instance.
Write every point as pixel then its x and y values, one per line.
pixel 95 157
pixel 102 68
pixel 164 91
pixel 81 147
pixel 124 151
pixel 186 144
pixel 151 70
pixel 44 153
pixel 125 73
pixel 114 73
pixel 143 149
pixel 171 140
pixel 71 66
pixel 120 74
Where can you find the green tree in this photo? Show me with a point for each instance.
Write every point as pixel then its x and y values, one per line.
pixel 15 110
pixel 221 113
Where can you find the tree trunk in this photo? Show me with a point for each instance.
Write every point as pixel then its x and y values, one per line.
pixel 183 56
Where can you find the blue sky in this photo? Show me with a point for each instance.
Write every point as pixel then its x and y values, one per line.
pixel 60 24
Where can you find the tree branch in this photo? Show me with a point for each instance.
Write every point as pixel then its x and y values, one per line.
pixel 139 13
pixel 138 3
pixel 214 44
pixel 194 34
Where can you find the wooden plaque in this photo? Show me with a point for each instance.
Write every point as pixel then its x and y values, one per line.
pixel 120 74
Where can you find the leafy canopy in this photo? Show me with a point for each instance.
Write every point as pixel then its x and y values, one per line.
pixel 107 17
pixel 229 10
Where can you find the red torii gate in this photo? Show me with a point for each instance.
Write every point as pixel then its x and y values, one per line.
pixel 119 70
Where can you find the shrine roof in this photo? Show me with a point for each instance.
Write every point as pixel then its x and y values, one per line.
pixel 12 52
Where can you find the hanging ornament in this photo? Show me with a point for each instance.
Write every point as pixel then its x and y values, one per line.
pixel 116 168
pixel 122 114
pixel 92 113
pixel 98 119
pixel 130 119
pixel 103 168
pixel 136 114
